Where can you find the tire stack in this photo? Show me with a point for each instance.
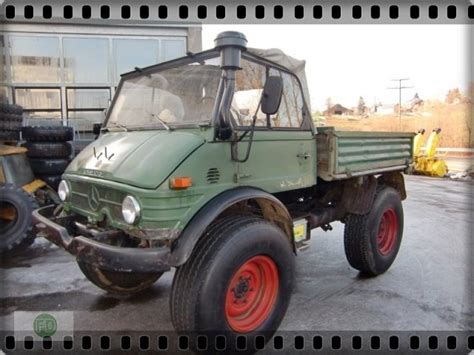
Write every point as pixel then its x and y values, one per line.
pixel 49 151
pixel 11 119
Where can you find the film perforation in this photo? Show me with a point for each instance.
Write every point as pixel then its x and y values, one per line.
pixel 317 342
pixel 220 12
pixel 317 11
pixel 451 342
pixel 68 342
pixel 299 342
pixel 144 342
pixel 105 12
pixel 183 12
pixel 470 342
pixel 278 12
pixel 470 11
pixel 414 12
pixel 47 343
pixel 356 342
pixel 432 342
pixel 336 342
pixel 28 342
pixel 299 12
pixel 86 342
pixel 10 342
pixel 259 342
pixel 163 12
pixel 202 342
pixel 375 342
pixel 356 12
pixel 393 12
pixel 67 11
pixel 125 12
pixel 278 342
pixel 414 342
pixel 375 11
pixel 336 12
pixel 144 12
pixel 433 12
pixel 125 342
pixel 183 342
pixel 393 342
pixel 86 12
pixel 28 12
pixel 241 12
pixel 104 342
pixel 259 11
pixel 451 12
pixel 220 343
pixel 202 12
pixel 47 12
pixel 241 341
pixel 162 342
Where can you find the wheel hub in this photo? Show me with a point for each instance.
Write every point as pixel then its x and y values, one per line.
pixel 388 231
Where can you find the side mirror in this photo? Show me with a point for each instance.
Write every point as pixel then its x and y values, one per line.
pixel 272 93
pixel 96 127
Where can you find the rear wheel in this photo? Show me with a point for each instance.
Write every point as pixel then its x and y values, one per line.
pixel 372 241
pixel 238 280
pixel 121 283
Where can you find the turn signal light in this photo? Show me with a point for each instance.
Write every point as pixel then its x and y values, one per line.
pixel 180 183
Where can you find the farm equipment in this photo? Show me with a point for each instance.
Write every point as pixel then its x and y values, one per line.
pixel 20 195
pixel 428 163
pixel 211 164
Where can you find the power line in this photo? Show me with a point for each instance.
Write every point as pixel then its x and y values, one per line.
pixel 400 88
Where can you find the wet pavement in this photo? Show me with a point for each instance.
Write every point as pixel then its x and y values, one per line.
pixel 425 289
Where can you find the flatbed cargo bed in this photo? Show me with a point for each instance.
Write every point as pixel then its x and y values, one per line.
pixel 345 154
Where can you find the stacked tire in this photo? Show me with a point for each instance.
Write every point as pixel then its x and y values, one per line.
pixel 11 119
pixel 49 151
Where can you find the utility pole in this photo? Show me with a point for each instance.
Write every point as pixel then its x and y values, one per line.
pixel 400 88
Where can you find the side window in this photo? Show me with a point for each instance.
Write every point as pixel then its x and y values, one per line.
pixel 290 113
pixel 248 89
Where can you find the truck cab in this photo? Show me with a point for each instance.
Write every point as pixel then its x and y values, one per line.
pixel 211 164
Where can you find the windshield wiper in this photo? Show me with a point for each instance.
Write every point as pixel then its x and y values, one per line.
pixel 119 125
pixel 159 120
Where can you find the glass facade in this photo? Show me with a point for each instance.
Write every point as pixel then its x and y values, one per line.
pixel 73 77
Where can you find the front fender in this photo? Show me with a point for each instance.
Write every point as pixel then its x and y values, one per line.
pixel 273 210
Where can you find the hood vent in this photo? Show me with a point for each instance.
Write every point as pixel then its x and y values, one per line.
pixel 213 176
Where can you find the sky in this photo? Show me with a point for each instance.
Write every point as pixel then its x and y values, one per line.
pixel 344 62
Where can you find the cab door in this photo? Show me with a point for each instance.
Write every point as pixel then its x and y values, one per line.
pixel 283 151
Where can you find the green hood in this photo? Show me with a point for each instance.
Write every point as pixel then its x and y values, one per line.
pixel 138 158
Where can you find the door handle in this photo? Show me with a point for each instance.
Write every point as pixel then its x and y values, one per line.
pixel 304 156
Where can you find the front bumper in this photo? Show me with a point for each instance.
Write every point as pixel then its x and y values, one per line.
pixel 104 256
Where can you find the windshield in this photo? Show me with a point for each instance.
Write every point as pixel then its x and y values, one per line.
pixel 179 96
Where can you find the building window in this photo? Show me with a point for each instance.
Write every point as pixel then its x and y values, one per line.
pixel 86 60
pixel 86 106
pixel 38 99
pixel 131 53
pixel 34 59
pixel 172 48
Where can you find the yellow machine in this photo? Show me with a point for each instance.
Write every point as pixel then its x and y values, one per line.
pixel 428 163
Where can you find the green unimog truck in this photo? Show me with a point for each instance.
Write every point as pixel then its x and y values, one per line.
pixel 211 164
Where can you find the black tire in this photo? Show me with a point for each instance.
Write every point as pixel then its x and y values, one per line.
pixel 9 136
pixel 52 180
pixel 47 133
pixel 15 234
pixel 201 285
pixel 372 241
pixel 11 109
pixel 10 125
pixel 49 166
pixel 48 149
pixel 119 283
pixel 11 117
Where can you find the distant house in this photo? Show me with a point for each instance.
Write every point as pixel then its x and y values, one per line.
pixel 338 109
pixel 385 109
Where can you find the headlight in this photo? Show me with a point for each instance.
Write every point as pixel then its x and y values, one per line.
pixel 63 190
pixel 130 209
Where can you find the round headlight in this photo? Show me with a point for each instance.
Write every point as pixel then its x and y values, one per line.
pixel 130 209
pixel 63 190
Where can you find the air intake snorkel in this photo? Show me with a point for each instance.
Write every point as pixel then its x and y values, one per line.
pixel 230 44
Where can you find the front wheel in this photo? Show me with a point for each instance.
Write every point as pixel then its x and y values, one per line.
pixel 372 241
pixel 238 280
pixel 116 282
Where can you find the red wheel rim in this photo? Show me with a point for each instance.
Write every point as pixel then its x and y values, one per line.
pixel 387 233
pixel 251 294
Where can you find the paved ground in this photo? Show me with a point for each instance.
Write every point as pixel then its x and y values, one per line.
pixel 426 288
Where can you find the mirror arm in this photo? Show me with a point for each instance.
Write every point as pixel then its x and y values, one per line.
pixel 234 152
